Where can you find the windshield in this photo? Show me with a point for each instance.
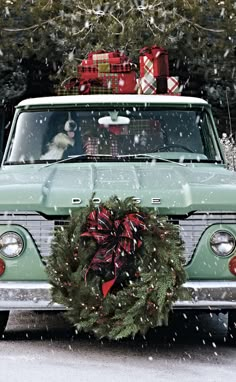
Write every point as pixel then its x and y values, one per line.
pixel 52 135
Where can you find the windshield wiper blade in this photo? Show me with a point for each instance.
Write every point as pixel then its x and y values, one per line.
pixel 150 156
pixel 144 156
pixel 72 157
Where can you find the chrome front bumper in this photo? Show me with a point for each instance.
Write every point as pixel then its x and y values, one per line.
pixel 213 295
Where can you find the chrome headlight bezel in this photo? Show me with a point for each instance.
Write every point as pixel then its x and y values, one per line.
pixel 222 243
pixel 11 244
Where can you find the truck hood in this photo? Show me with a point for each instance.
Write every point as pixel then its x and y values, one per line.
pixel 56 189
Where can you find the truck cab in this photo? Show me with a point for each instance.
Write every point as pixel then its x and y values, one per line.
pixel 161 150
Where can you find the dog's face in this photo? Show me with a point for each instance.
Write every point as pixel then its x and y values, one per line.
pixel 70 128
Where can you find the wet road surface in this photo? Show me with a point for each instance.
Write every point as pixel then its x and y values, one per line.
pixel 40 347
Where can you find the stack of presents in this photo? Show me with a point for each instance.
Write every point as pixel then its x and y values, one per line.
pixel 113 72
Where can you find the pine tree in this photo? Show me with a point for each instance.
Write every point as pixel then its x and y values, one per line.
pixel 199 35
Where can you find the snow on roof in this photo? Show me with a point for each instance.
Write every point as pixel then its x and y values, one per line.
pixel 110 98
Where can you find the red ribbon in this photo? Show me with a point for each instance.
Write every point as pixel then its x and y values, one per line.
pixel 152 52
pixel 115 238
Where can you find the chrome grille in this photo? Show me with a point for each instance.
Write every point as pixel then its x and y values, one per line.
pixel 38 227
pixel 192 227
pixel 42 229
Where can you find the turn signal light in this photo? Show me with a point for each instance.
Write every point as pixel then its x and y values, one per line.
pixel 2 267
pixel 232 265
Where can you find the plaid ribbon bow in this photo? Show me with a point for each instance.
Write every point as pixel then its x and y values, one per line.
pixel 115 239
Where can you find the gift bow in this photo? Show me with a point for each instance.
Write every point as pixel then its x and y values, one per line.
pixel 152 52
pixel 115 238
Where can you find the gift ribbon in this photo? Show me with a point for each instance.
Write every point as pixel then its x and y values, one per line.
pixel 152 52
pixel 115 239
pixel 83 85
pixel 148 81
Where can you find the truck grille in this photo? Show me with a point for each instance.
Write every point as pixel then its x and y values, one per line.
pixel 42 229
pixel 38 227
pixel 192 228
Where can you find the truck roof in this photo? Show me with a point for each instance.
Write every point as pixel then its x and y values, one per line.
pixel 109 99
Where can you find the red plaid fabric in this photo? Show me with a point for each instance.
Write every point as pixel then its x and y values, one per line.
pixel 115 240
pixel 100 90
pixel 92 146
pixel 110 80
pixel 101 67
pixel 122 68
pixel 148 80
pixel 159 58
pixel 87 68
pixel 113 147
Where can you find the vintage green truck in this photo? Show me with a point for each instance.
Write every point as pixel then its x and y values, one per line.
pixel 163 150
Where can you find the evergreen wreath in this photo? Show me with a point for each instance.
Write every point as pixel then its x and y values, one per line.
pixel 118 268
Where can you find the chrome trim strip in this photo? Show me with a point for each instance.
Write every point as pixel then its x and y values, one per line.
pixel 209 295
pixel 36 295
pixel 26 295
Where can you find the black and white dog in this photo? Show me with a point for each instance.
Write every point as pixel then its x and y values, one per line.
pixel 62 143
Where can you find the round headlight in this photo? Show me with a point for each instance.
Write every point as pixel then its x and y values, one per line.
pixel 222 243
pixel 11 244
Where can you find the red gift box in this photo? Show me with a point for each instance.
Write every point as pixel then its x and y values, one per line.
pixel 156 59
pixel 121 83
pixel 88 75
pixel 112 60
pixel 127 83
pixel 101 52
pixel 122 68
pixel 104 56
pixel 85 86
pixel 173 86
pixel 87 68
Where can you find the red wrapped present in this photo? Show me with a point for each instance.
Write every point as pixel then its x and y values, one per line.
pixel 99 53
pixel 83 86
pixel 110 80
pixel 112 60
pixel 88 75
pixel 87 69
pixel 147 84
pixel 121 83
pixel 158 58
pixel 122 68
pixel 104 56
pixel 93 146
pixel 153 63
pixel 173 86
pixel 127 83
pixel 95 68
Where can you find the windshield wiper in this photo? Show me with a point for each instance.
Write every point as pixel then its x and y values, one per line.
pixel 150 156
pixel 144 156
pixel 72 157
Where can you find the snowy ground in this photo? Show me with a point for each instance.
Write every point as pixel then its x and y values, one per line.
pixel 39 347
